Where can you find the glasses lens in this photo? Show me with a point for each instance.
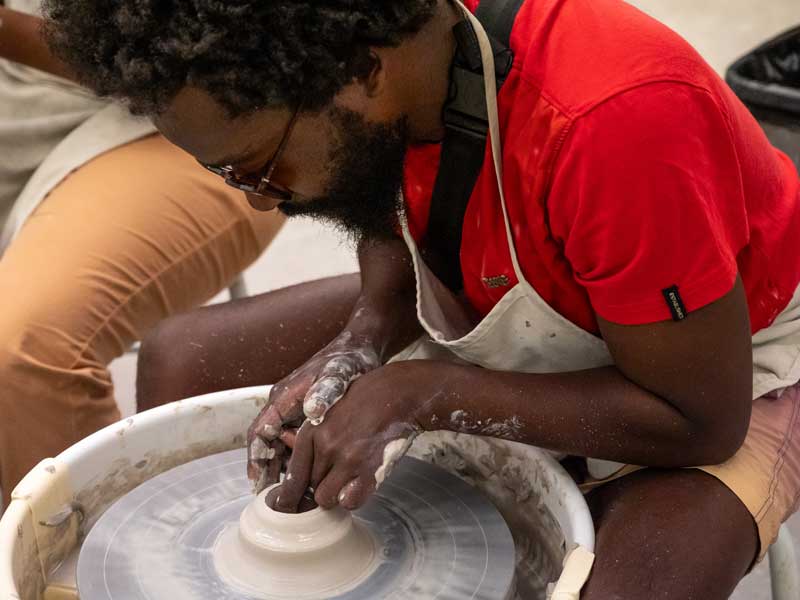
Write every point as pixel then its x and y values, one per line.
pixel 251 183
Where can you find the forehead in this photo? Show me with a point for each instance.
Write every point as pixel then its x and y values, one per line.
pixel 197 123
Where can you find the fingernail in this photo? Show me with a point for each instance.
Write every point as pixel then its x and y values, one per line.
pixel 314 407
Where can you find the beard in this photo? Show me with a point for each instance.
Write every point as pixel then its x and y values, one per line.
pixel 363 197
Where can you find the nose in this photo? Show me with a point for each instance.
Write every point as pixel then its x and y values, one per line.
pixel 262 203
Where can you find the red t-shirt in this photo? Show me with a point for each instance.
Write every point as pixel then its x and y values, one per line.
pixel 629 167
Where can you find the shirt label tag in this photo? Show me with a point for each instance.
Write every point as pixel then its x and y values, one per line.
pixel 675 303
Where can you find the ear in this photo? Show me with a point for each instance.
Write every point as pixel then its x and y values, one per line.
pixel 375 78
pixel 371 93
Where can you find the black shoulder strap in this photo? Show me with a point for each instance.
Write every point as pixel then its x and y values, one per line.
pixel 464 144
pixel 497 18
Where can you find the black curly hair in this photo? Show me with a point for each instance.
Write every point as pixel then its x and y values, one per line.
pixel 247 54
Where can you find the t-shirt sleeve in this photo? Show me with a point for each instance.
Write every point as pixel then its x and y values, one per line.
pixel 647 195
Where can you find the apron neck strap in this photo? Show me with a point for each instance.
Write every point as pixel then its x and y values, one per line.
pixel 490 86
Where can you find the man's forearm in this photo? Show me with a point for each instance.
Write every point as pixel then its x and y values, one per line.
pixel 597 413
pixel 21 41
pixel 386 308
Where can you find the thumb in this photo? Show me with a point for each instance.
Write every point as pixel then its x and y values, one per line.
pixel 322 396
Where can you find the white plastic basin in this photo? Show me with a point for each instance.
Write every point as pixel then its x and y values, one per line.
pixel 64 496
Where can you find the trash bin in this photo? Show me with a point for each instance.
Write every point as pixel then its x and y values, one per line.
pixel 768 82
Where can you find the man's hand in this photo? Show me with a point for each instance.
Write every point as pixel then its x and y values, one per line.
pixel 308 392
pixel 383 323
pixel 341 458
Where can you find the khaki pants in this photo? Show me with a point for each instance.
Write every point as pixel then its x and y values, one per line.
pixel 134 236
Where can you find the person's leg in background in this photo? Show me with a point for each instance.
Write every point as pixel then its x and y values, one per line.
pixel 138 234
pixel 254 341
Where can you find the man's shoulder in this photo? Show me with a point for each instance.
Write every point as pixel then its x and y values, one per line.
pixel 580 53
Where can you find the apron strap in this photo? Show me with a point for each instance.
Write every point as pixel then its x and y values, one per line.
pixel 494 129
pixel 464 146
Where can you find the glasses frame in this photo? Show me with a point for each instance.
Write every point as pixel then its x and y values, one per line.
pixel 259 183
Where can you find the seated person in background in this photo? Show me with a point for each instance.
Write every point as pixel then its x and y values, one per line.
pixel 109 228
pixel 636 284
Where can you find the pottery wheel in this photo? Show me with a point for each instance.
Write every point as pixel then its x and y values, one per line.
pixel 436 537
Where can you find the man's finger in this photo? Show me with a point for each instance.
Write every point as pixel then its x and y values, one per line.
pixel 299 472
pixel 259 450
pixel 343 367
pixel 255 449
pixel 327 493
pixel 285 405
pixel 264 464
pixel 289 435
pixel 269 423
pixel 274 466
pixel 320 469
pixel 287 397
pixel 332 383
pixel 356 493
pixel 322 396
pixel 254 470
pixel 272 496
pixel 258 453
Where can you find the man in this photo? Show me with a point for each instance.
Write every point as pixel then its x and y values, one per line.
pixel 108 228
pixel 646 229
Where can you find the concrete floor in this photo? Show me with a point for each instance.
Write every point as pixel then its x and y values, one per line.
pixel 721 30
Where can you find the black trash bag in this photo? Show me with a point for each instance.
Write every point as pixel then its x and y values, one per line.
pixel 768 81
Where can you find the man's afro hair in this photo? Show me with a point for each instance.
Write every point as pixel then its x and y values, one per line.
pixel 247 54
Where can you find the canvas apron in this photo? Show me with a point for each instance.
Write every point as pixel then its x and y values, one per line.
pixel 522 333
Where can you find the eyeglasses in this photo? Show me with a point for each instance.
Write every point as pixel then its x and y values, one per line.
pixel 260 182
